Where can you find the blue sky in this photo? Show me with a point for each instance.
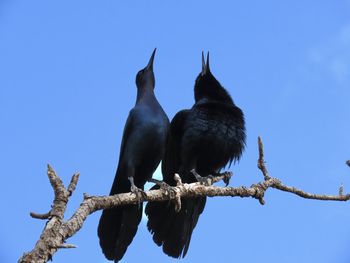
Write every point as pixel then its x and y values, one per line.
pixel 67 83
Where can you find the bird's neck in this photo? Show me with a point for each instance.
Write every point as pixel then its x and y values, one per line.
pixel 145 94
pixel 206 93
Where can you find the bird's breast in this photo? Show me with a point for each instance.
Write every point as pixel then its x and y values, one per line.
pixel 214 136
pixel 221 125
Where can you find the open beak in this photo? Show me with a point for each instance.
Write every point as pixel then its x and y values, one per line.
pixel 207 70
pixel 203 65
pixel 150 63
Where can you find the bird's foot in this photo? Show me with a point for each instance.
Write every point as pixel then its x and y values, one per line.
pixel 226 176
pixel 207 180
pixel 164 186
pixel 135 190
pixel 138 192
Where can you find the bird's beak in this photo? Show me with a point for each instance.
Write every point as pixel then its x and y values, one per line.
pixel 203 65
pixel 207 66
pixel 150 63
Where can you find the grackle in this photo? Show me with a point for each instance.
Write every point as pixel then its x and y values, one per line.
pixel 200 142
pixel 141 150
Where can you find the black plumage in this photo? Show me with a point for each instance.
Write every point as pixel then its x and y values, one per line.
pixel 206 137
pixel 141 150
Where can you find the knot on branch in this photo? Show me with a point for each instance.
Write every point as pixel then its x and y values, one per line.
pixel 260 189
pixel 86 196
pixel 171 192
pixel 177 179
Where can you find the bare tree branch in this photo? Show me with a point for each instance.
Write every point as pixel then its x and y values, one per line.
pixel 277 184
pixel 57 231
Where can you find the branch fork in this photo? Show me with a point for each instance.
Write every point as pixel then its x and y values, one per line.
pixel 51 239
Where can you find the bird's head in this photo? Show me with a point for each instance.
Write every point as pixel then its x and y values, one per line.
pixel 208 87
pixel 145 77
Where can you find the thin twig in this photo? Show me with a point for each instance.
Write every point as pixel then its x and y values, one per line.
pixel 40 216
pixel 73 183
pixel 261 161
pixel 67 246
pixel 306 195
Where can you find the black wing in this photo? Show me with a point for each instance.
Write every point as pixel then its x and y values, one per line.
pixel 128 128
pixel 171 161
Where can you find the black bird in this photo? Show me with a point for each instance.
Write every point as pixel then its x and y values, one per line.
pixel 141 150
pixel 201 140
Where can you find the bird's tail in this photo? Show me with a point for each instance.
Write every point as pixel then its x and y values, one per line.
pixel 118 226
pixel 171 229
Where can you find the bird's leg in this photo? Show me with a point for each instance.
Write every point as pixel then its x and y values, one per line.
pixel 208 180
pixel 169 190
pixel 134 189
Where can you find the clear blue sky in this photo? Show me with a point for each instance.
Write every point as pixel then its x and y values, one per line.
pixel 67 82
